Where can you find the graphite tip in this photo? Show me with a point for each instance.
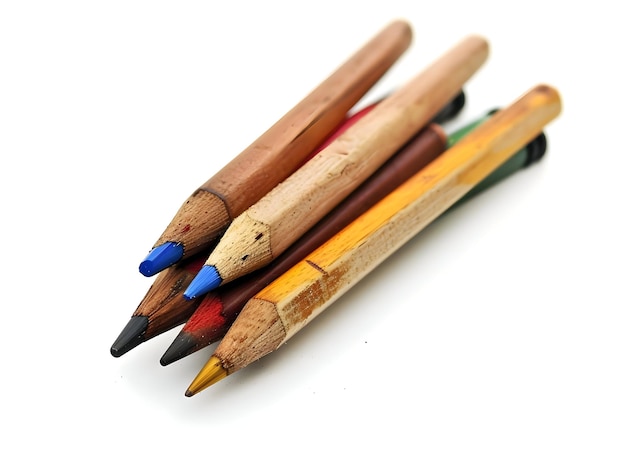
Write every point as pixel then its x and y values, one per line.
pixel 131 336
pixel 183 345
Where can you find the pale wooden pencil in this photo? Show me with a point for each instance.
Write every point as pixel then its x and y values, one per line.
pixel 278 219
pixel 285 306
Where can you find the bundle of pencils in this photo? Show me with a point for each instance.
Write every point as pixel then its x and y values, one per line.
pixel 322 198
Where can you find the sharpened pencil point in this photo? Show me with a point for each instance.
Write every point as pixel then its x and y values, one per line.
pixel 211 373
pixel 160 258
pixel 131 336
pixel 182 346
pixel 206 280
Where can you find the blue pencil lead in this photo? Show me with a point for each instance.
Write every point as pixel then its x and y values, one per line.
pixel 206 280
pixel 160 258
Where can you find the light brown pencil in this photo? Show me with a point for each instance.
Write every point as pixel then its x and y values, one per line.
pixel 270 226
pixel 276 153
pixel 285 306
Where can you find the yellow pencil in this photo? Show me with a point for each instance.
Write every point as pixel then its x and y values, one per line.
pixel 285 306
pixel 270 226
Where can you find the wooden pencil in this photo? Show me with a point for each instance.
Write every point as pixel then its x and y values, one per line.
pixel 271 225
pixel 276 153
pixel 163 306
pixel 285 306
pixel 220 307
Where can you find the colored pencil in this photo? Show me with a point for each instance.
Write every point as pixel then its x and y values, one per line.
pixel 276 153
pixel 164 307
pixel 219 308
pixel 271 225
pixel 285 306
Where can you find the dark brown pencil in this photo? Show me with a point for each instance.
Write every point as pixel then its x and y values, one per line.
pixel 163 307
pixel 277 153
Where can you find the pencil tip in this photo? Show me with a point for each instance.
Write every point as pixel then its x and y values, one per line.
pixel 211 373
pixel 131 336
pixel 183 345
pixel 160 258
pixel 206 280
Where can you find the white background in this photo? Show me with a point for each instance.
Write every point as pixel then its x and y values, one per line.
pixel 495 340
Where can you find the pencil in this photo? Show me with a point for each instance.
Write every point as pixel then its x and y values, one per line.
pixel 285 306
pixel 277 153
pixel 219 308
pixel 164 307
pixel 271 225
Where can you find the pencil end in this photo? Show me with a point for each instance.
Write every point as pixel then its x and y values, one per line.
pixel 160 258
pixel 131 336
pixel 536 149
pixel 211 373
pixel 452 109
pixel 183 345
pixel 206 280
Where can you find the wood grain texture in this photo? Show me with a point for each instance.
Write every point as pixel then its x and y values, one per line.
pixel 278 219
pixel 163 304
pixel 284 146
pixel 285 306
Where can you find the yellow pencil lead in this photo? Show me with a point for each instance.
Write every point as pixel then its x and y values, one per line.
pixel 211 373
